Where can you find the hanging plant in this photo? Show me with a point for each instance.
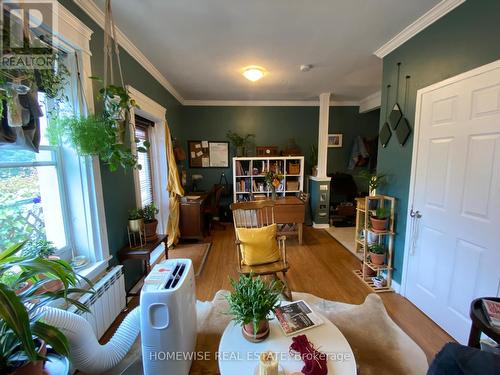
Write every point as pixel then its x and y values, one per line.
pixel 94 135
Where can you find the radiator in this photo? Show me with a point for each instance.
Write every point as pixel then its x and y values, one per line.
pixel 107 302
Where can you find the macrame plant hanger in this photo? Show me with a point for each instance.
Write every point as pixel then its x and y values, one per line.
pixel 110 46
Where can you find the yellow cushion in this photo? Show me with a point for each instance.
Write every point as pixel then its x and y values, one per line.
pixel 258 245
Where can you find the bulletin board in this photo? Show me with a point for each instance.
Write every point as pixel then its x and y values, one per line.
pixel 208 154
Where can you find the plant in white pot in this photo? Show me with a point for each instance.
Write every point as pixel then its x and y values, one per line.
pixel 377 254
pixel 150 223
pixel 135 220
pixel 251 303
pixel 379 220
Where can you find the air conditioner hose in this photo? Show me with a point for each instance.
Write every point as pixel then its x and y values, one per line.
pixel 87 355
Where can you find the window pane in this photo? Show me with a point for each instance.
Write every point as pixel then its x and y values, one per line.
pixel 25 156
pixel 145 176
pixel 30 206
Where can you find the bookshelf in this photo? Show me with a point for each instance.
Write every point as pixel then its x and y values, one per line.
pixel 248 176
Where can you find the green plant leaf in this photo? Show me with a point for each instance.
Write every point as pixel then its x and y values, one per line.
pixel 52 336
pixel 14 314
pixel 11 251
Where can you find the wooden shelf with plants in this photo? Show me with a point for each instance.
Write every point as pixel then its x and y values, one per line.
pixel 375 241
pixel 249 173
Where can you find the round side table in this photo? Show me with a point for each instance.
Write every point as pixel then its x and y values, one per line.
pixel 238 356
pixel 480 323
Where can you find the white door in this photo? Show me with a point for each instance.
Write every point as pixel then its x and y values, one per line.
pixel 454 247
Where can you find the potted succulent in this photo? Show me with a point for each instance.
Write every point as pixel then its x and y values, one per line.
pixel 377 254
pixel 150 223
pixel 135 220
pixel 239 142
pixel 23 334
pixel 250 304
pixel 379 220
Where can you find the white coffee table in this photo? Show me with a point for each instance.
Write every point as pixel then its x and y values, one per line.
pixel 237 356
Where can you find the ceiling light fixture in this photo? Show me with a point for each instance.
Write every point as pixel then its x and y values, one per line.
pixel 253 73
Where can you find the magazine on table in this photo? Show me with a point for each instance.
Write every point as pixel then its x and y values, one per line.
pixel 296 317
pixel 492 312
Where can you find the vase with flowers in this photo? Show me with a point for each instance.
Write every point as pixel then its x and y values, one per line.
pixel 273 181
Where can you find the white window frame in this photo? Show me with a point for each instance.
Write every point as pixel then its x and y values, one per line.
pixel 86 204
pixel 151 110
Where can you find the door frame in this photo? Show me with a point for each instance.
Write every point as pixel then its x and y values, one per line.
pixel 414 158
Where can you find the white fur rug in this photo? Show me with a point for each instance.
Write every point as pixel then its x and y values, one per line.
pixel 379 345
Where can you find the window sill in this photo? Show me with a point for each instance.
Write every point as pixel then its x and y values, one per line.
pixel 92 271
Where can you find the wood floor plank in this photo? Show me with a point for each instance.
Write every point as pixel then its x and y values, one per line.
pixel 323 267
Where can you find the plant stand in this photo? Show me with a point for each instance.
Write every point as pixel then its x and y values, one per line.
pixel 386 238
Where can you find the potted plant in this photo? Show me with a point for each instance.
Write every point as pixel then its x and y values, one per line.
pixel 135 220
pixel 43 249
pixel 94 135
pixel 374 180
pixel 150 223
pixel 23 334
pixel 379 220
pixel 377 254
pixel 273 181
pixel 250 304
pixel 239 142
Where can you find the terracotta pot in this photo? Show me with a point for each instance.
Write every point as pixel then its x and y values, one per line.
pixel 377 259
pixel 368 271
pixel 379 225
pixel 33 368
pixel 262 331
pixel 135 225
pixel 150 229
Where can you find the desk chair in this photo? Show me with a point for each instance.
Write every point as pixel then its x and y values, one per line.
pixel 212 209
pixel 260 214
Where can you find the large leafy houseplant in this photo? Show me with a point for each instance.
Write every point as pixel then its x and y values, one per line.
pixel 239 142
pixel 250 304
pixel 22 299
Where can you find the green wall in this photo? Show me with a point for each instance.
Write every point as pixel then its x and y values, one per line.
pixel 349 122
pixel 273 126
pixel 466 38
pixel 118 187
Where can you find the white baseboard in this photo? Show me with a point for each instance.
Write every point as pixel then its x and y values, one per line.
pixel 320 226
pixel 396 286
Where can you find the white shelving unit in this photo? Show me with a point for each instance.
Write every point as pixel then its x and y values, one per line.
pixel 248 176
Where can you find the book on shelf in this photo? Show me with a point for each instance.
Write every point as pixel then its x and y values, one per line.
pixel 492 312
pixel 296 317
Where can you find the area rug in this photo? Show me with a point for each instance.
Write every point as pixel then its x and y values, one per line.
pixel 345 236
pixel 198 254
pixel 379 345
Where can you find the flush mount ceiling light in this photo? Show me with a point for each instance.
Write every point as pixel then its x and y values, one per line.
pixel 253 73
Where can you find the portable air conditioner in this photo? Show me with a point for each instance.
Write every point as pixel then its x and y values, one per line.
pixel 168 318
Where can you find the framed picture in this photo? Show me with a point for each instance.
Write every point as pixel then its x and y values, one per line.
pixel 334 140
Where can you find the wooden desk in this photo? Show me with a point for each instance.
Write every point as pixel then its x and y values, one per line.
pixel 192 221
pixel 142 254
pixel 290 210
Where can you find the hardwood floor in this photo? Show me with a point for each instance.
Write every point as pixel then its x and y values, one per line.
pixel 322 267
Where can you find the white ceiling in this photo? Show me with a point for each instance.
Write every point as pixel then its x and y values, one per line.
pixel 200 46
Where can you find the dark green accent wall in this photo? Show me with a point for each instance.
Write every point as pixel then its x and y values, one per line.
pixel 349 122
pixel 118 187
pixel 273 126
pixel 466 38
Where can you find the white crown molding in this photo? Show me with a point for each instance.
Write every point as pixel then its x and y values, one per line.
pixel 371 102
pixel 89 7
pixel 266 103
pixel 438 11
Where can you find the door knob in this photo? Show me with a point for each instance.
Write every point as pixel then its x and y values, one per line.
pixel 416 214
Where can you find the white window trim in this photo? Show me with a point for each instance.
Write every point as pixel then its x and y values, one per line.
pixel 154 112
pixel 93 240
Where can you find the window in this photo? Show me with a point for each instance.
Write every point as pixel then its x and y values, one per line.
pixel 142 127
pixel 31 192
